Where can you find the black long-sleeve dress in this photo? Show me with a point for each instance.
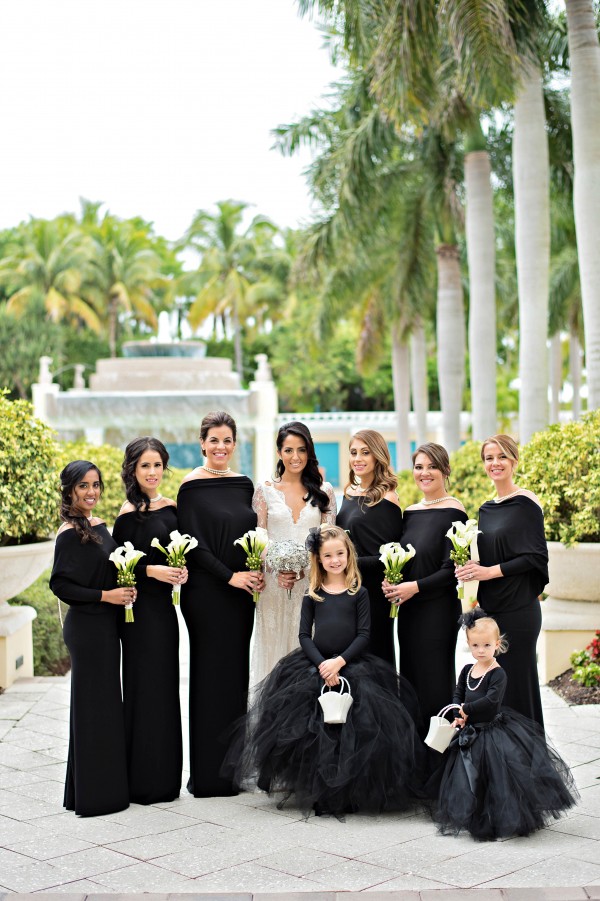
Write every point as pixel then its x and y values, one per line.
pixel 430 618
pixel 373 761
pixel 512 534
pixel 369 528
pixel 501 777
pixel 151 666
pixel 219 619
pixel 96 781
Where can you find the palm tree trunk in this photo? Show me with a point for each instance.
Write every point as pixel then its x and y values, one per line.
pixel 584 51
pixel 575 371
pixel 532 244
pixel 450 342
pixel 555 376
pixel 401 384
pixel 481 255
pixel 418 379
pixel 237 341
pixel 112 325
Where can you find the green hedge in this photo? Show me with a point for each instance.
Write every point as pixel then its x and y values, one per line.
pixel 50 654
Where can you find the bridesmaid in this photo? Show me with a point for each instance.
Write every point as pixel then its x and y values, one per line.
pixel 429 605
pixel 215 506
pixel 512 572
pixel 85 579
pixel 151 644
pixel 371 512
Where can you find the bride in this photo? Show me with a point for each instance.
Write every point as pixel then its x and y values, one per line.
pixel 295 501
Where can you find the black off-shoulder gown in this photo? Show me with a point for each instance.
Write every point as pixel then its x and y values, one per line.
pixel 219 619
pixel 151 666
pixel 430 618
pixel 369 528
pixel 512 534
pixel 96 781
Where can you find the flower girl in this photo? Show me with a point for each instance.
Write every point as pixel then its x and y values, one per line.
pixel 373 761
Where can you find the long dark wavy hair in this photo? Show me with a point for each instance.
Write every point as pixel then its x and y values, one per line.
pixel 134 450
pixel 71 475
pixel 310 476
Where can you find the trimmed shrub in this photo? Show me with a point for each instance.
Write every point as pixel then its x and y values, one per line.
pixel 50 654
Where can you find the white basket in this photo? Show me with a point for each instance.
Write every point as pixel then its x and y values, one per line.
pixel 441 732
pixel 336 704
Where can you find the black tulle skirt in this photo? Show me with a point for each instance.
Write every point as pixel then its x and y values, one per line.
pixel 502 779
pixel 372 762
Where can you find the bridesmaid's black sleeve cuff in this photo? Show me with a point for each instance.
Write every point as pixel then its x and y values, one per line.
pixel 74 594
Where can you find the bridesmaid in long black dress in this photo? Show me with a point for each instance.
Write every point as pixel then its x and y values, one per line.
pixel 215 506
pixel 151 644
pixel 429 606
pixel 371 512
pixel 513 571
pixel 85 579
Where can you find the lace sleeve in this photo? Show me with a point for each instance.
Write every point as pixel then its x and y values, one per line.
pixel 259 505
pixel 331 513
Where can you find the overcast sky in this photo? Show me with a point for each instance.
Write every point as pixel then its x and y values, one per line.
pixel 156 107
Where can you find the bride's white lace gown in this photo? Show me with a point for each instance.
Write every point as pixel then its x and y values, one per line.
pixel 277 617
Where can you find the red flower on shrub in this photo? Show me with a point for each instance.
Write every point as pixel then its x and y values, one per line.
pixel 593 647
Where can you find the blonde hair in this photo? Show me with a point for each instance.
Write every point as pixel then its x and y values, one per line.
pixel 488 622
pixel 507 445
pixel 316 577
pixel 384 477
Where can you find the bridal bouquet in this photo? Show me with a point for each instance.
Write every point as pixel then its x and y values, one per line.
pixel 461 534
pixel 286 557
pixel 125 559
pixel 175 553
pixel 254 542
pixel 394 557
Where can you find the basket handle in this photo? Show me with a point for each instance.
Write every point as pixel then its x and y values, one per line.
pixel 448 707
pixel 341 691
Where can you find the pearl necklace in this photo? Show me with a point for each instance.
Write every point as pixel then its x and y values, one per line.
pixel 438 500
pixel 475 687
pixel 155 500
pixel 505 497
pixel 216 472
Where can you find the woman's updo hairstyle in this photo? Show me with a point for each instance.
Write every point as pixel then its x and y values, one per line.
pixel 438 456
pixel 70 477
pixel 213 421
pixel 134 450
pixel 310 476
pixel 507 445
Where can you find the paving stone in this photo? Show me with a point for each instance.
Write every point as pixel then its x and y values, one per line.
pixel 352 875
pixel 46 846
pixel 476 894
pixel 592 891
pixel 588 827
pixel 563 870
pixel 140 876
pixel 251 878
pixel 207 896
pixel 376 895
pixel 34 877
pixel 565 893
pixel 409 883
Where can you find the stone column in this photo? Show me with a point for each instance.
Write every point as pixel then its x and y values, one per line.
pixel 264 407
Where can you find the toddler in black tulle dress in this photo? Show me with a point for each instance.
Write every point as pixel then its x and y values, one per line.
pixel 373 761
pixel 501 777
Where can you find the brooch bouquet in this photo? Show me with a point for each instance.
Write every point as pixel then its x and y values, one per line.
pixel 254 542
pixel 125 559
pixel 394 557
pixel 286 557
pixel 461 534
pixel 175 553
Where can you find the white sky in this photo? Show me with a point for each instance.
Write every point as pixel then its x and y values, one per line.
pixel 156 107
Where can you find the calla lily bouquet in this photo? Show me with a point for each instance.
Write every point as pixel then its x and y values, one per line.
pixel 461 534
pixel 175 553
pixel 125 559
pixel 254 542
pixel 286 557
pixel 394 557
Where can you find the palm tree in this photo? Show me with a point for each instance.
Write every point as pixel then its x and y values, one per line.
pixel 235 276
pixel 584 50
pixel 48 262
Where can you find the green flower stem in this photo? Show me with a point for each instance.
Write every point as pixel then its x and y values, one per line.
pixel 394 578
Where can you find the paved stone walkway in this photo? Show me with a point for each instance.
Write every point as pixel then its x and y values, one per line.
pixel 244 846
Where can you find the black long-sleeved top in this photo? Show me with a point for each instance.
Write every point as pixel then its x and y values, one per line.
pixel 82 571
pixel 481 705
pixel 369 528
pixel 431 567
pixel 342 623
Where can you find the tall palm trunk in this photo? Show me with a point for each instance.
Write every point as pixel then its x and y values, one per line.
pixel 575 371
pixel 532 244
pixel 555 376
pixel 418 380
pixel 584 51
pixel 481 255
pixel 401 384
pixel 113 312
pixel 450 342
pixel 237 341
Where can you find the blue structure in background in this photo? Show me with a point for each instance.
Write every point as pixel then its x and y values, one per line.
pixel 328 455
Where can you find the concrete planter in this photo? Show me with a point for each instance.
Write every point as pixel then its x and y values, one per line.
pixel 20 566
pixel 571 612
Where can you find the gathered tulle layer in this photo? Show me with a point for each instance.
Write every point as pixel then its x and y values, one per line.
pixel 502 779
pixel 372 762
